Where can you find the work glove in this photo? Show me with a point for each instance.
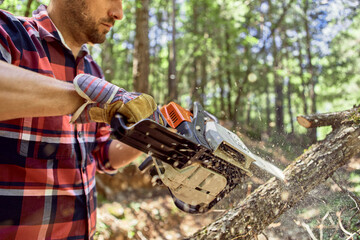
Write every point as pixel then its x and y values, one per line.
pixel 104 99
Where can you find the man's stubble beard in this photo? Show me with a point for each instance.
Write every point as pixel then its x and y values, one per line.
pixel 84 28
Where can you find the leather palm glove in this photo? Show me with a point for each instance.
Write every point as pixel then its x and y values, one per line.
pixel 104 99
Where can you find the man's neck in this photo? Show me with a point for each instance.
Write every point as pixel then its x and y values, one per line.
pixel 66 35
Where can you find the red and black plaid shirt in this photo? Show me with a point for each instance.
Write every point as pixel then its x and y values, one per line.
pixel 47 166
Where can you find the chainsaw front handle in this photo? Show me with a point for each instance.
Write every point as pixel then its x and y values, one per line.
pixel 119 124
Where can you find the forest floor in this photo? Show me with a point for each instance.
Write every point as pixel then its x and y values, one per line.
pixel 130 208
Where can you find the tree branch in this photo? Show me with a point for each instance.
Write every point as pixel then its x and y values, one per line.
pixel 308 229
pixel 338 214
pixel 321 227
pixel 334 119
pixel 273 198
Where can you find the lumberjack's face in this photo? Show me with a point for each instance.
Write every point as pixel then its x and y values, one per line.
pixel 93 19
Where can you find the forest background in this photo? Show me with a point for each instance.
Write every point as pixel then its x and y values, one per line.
pixel 255 64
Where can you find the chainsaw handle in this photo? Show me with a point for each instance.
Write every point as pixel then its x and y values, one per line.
pixel 212 117
pixel 119 123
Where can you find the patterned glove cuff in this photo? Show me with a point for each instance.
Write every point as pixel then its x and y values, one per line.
pixel 93 90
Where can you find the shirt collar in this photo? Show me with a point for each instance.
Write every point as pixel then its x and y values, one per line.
pixel 48 31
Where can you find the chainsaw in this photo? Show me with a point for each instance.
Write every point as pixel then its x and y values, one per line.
pixel 193 155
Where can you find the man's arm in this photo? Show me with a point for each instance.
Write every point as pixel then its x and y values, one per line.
pixel 121 154
pixel 24 93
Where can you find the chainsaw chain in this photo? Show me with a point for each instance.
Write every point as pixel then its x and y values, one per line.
pixel 233 175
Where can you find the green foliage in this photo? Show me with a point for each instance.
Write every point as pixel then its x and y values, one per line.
pixel 355 181
pixel 19 7
pixel 355 117
pixel 101 199
pixel 323 131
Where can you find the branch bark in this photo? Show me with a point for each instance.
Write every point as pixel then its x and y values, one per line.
pixel 334 119
pixel 273 198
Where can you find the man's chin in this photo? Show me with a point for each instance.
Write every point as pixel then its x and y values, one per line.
pixel 97 40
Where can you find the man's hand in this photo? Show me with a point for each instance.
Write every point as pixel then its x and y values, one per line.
pixel 104 99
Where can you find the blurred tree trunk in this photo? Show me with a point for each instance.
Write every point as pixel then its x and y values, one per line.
pixel 248 113
pixel 194 79
pixel 302 77
pixel 141 61
pixel 127 69
pixel 220 83
pixel 203 82
pixel 220 78
pixel 244 76
pixel 278 82
pixel 204 56
pixel 107 61
pixel 215 101
pixel 279 95
pixel 272 199
pixel 126 65
pixel 265 72
pixel 240 94
pixel 290 112
pixel 289 86
pixel 268 106
pixel 228 72
pixel 312 82
pixel 28 8
pixel 172 75
pixel 157 88
pixel 222 95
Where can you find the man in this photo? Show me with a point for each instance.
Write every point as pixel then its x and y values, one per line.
pixel 47 80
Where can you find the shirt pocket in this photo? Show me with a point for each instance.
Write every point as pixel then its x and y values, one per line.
pixel 46 138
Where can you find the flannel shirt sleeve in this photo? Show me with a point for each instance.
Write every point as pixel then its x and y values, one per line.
pixel 101 151
pixel 12 35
